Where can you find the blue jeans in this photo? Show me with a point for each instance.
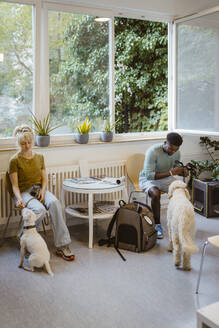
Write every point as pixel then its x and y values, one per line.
pixel 60 230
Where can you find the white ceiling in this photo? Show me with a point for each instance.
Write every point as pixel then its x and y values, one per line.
pixel 158 8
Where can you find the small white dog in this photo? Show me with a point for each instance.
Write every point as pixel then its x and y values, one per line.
pixel 32 241
pixel 181 224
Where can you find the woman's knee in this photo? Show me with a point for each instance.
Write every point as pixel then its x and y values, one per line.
pixel 37 207
pixel 54 204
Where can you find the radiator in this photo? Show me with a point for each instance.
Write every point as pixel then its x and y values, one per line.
pixel 55 177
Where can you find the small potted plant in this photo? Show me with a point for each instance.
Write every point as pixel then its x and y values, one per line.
pixel 84 128
pixel 107 134
pixel 211 166
pixel 42 129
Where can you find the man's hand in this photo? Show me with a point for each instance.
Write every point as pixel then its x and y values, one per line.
pixel 180 170
pixel 41 196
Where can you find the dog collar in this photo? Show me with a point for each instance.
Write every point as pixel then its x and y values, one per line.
pixel 30 227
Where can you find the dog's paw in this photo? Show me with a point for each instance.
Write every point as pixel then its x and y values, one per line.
pixel 20 266
pixel 187 268
pixel 28 269
pixel 177 264
pixel 170 250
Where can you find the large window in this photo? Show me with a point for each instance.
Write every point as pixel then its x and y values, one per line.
pixel 113 68
pixel 79 70
pixel 198 74
pixel 16 65
pixel 141 75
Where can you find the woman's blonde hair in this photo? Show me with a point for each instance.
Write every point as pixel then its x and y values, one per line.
pixel 23 132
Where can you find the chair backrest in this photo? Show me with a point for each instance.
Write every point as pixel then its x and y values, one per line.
pixel 134 165
pixel 8 185
pixel 84 168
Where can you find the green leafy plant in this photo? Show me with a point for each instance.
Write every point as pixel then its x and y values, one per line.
pixel 211 165
pixel 84 127
pixel 108 127
pixel 43 127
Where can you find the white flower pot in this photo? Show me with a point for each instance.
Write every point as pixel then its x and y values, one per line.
pixel 42 141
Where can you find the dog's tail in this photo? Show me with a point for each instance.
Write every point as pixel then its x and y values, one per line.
pixel 48 269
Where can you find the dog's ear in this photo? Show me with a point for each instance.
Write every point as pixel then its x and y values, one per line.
pixel 187 194
pixel 25 213
pixel 171 189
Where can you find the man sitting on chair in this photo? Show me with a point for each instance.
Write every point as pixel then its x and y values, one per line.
pixel 158 172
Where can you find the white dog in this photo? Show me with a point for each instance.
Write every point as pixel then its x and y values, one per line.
pixel 32 241
pixel 181 224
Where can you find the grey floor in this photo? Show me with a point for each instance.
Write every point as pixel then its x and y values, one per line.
pixel 100 290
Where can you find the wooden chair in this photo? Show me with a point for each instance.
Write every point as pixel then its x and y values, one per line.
pixel 16 210
pixel 134 165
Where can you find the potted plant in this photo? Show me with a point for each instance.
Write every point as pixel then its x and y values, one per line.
pixel 84 128
pixel 42 129
pixel 211 165
pixel 107 134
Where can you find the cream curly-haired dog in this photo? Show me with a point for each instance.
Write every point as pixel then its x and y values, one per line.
pixel 181 224
pixel 32 242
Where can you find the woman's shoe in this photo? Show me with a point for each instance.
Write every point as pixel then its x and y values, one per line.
pixel 65 253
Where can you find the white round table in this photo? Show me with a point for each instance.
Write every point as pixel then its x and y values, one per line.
pixel 91 188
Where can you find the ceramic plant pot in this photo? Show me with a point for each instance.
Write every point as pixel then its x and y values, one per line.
pixel 42 141
pixel 106 136
pixel 82 138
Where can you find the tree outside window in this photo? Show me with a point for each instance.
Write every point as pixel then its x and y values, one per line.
pixel 16 65
pixel 79 71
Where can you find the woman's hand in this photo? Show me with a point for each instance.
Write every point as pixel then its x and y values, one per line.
pixel 20 203
pixel 41 195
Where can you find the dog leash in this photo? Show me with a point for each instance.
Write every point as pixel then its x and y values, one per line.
pixel 46 219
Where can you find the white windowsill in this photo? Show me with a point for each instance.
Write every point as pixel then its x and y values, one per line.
pixel 9 144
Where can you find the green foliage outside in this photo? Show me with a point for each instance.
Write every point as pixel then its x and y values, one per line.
pixel 16 70
pixel 80 75
pixel 79 71
pixel 141 70
pixel 141 73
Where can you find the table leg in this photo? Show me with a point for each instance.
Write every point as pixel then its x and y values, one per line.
pixel 91 219
pixel 125 195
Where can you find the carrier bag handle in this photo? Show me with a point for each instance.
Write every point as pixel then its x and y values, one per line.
pixel 121 202
pixel 142 204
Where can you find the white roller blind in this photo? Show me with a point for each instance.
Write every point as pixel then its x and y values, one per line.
pixel 197 89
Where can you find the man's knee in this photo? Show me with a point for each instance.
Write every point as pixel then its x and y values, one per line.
pixel 154 193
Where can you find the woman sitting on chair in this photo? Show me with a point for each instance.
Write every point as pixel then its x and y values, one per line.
pixel 28 177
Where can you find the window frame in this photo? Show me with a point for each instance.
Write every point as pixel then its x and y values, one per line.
pixel 174 87
pixel 41 68
pixel 11 141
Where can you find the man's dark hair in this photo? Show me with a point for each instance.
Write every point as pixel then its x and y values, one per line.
pixel 174 139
